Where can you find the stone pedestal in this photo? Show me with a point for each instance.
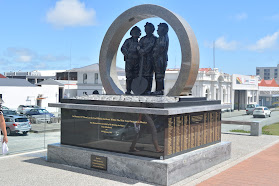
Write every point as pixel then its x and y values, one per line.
pixel 163 172
pixel 161 142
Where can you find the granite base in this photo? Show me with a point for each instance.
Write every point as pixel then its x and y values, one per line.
pixel 163 172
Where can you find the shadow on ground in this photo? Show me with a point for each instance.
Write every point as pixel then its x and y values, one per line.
pixel 40 159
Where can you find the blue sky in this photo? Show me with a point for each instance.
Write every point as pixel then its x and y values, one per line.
pixel 64 34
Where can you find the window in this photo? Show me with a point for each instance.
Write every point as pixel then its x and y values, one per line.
pixel 84 78
pixel 96 78
pixel 258 72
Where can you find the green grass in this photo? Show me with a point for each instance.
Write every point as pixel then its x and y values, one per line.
pixel 240 131
pixel 271 129
pixel 267 130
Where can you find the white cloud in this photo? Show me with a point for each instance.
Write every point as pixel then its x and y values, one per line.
pixel 40 66
pixel 24 58
pixel 273 17
pixel 52 58
pixel 71 13
pixel 221 43
pixel 267 42
pixel 241 16
pixel 20 54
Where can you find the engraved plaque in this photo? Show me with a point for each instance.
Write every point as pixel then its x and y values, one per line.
pixel 99 162
pixel 177 134
pixel 170 130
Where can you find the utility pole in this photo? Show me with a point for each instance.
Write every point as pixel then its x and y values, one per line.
pixel 213 54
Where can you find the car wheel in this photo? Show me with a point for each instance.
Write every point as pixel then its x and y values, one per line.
pixel 270 115
pixel 25 133
pixel 9 132
pixel 123 137
pixel 254 116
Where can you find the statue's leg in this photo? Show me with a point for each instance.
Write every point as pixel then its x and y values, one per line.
pixel 129 76
pixel 159 77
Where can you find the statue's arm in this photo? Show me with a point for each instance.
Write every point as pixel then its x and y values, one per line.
pixel 124 48
pixel 163 44
pixel 150 46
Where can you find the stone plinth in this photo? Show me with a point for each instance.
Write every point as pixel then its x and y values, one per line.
pixel 163 172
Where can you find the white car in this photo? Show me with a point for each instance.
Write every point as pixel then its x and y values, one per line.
pixel 261 111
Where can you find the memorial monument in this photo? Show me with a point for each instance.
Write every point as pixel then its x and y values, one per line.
pixel 153 138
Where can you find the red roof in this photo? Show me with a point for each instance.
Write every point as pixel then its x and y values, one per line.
pixel 205 69
pixel 1 76
pixel 268 83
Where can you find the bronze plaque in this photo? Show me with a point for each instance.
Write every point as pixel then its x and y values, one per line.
pixel 99 162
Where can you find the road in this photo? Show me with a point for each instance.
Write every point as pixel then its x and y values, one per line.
pixel 33 141
pixel 242 116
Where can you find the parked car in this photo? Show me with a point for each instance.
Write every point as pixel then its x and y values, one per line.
pixel 121 133
pixel 39 115
pixel 250 108
pixel 4 107
pixel 261 111
pixel 22 109
pixel 15 124
pixel 9 112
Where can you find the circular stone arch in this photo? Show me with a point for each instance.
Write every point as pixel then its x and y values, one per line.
pixel 117 30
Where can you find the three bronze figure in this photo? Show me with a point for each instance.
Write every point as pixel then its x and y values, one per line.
pixel 145 57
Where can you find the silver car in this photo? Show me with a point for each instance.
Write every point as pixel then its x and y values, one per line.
pixel 262 112
pixel 250 108
pixel 15 124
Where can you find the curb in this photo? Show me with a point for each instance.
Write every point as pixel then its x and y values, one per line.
pixel 42 131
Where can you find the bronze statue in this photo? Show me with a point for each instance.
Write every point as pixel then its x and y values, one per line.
pixel 146 44
pixel 160 54
pixel 131 57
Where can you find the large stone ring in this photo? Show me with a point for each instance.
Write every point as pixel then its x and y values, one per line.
pixel 117 30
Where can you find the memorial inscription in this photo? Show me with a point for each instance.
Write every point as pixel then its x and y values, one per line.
pixel 140 134
pixel 188 131
pixel 99 162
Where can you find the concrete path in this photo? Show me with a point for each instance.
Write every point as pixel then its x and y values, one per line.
pixel 33 169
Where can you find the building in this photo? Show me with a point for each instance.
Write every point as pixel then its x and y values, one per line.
pixel 268 73
pixel 88 79
pixel 244 91
pixel 15 92
pixel 269 93
pixel 33 77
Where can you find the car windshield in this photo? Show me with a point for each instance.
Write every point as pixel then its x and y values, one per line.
pixel 258 108
pixel 9 112
pixel 21 120
pixel 250 106
pixel 42 111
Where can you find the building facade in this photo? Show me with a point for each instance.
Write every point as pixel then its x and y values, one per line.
pixel 245 91
pixel 268 73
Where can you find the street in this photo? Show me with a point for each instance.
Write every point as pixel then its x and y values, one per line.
pixel 242 116
pixel 33 141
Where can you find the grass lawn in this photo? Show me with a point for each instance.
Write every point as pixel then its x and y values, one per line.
pixel 271 129
pixel 267 130
pixel 240 131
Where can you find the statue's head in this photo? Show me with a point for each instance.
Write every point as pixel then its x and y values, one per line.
pixel 163 29
pixel 135 32
pixel 149 28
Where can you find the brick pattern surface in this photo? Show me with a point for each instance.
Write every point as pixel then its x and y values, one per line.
pixel 261 169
